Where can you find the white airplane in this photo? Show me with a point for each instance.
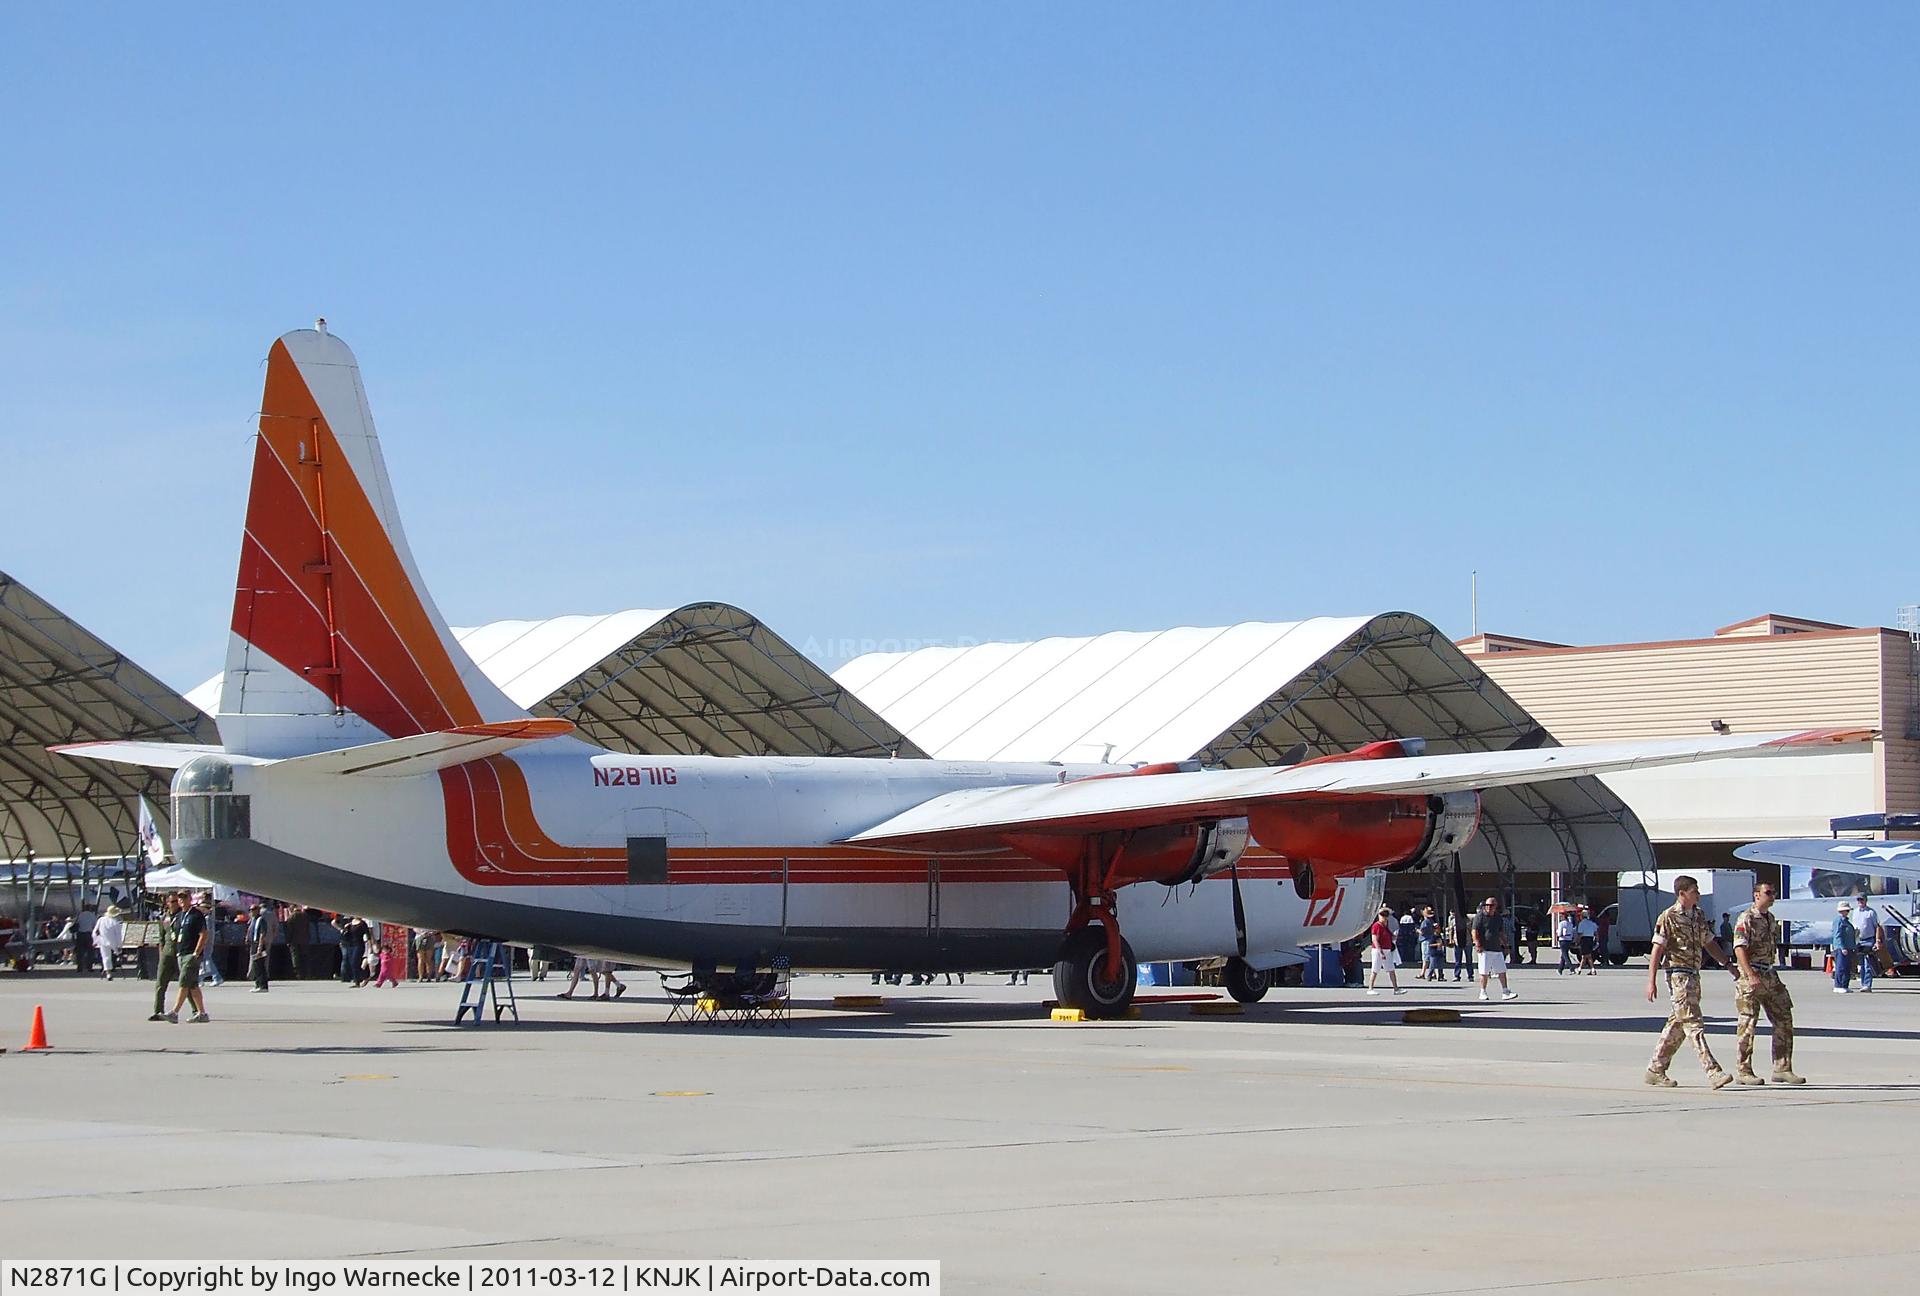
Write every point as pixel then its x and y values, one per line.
pixel 367 765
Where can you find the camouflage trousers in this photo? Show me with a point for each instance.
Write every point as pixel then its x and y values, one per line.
pixel 1771 995
pixel 1683 1020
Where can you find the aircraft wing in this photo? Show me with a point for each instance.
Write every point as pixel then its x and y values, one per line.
pixel 1876 858
pixel 974 816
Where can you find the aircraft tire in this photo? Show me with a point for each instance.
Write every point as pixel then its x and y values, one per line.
pixel 1246 983
pixel 1077 982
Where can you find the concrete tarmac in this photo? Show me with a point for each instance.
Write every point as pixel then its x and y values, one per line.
pixel 1316 1143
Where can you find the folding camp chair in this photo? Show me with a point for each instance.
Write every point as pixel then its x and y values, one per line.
pixel 729 998
pixel 682 998
pixel 767 1003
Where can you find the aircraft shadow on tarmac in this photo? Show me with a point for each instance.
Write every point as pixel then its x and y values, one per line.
pixel 907 1017
pixel 222 1049
pixel 902 1017
pixel 1651 1023
pixel 837 1028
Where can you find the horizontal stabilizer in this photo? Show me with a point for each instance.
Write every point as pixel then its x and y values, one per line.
pixel 978 816
pixel 425 753
pixel 152 755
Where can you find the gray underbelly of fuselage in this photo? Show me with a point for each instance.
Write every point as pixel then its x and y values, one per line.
pixel 262 870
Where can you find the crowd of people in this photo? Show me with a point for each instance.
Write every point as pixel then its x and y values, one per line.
pixel 88 941
pixel 1481 949
pixel 182 939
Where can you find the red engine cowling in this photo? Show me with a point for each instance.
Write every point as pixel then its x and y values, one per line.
pixel 1350 834
pixel 1344 835
pixel 1171 853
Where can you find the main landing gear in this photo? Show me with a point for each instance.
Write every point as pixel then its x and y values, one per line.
pixel 1096 968
pixel 1244 982
pixel 1082 979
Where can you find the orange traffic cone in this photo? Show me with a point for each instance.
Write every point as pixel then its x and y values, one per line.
pixel 37 1037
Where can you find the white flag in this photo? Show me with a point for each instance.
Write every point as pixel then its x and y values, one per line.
pixel 150 844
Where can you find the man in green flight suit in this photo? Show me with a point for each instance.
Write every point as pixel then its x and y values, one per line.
pixel 168 969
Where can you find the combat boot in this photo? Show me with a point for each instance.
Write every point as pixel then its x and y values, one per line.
pixel 1747 1078
pixel 1785 1075
pixel 1718 1080
pixel 1660 1080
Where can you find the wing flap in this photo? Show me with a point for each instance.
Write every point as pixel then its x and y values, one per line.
pixel 957 819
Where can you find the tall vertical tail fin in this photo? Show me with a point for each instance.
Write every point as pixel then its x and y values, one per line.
pixel 335 640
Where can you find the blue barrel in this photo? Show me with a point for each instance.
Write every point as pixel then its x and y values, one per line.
pixel 1323 966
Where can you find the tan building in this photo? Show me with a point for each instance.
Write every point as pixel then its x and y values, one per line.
pixel 1771 672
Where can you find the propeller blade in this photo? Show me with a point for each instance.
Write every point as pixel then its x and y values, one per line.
pixel 1239 912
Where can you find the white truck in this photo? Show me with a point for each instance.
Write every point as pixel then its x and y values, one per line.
pixel 1644 897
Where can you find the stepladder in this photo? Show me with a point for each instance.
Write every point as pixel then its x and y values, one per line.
pixel 488 984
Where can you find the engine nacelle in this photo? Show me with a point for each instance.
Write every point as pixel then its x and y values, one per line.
pixel 1453 820
pixel 1171 854
pixel 1218 848
pixel 1350 834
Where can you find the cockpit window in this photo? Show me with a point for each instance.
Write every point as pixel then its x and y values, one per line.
pixel 205 806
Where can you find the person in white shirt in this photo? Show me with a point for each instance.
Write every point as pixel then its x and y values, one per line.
pixel 1563 937
pixel 1586 939
pixel 109 934
pixel 1866 920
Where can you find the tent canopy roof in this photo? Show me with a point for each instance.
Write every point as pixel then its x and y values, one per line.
pixel 706 678
pixel 61 684
pixel 1244 695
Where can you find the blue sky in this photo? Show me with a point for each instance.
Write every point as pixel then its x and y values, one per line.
pixel 914 323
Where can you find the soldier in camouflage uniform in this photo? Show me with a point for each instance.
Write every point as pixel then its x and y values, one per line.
pixel 1680 936
pixel 1756 940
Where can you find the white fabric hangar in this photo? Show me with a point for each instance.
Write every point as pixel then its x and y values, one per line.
pixel 704 679
pixel 61 684
pixel 1244 695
